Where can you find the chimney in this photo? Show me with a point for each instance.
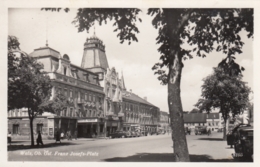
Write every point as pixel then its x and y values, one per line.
pixel 145 98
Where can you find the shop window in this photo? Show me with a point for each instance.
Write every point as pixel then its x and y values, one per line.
pixel 15 129
pixel 39 127
pixel 101 128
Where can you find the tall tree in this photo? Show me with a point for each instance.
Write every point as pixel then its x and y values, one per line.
pixel 28 85
pixel 228 93
pixel 205 29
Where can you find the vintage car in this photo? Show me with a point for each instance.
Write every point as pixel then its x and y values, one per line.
pixel 200 130
pixel 118 134
pixel 138 134
pixel 144 133
pixel 243 141
pixel 231 135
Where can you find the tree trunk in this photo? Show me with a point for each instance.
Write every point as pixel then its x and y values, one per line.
pixel 31 128
pixel 180 147
pixel 225 130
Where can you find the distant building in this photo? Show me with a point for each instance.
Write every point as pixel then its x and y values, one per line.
pixel 194 119
pixel 164 121
pixel 214 121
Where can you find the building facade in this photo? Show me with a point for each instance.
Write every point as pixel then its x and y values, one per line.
pixel 125 110
pixel 214 121
pixel 164 121
pixel 98 100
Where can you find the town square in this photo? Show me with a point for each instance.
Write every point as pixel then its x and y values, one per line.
pixel 130 85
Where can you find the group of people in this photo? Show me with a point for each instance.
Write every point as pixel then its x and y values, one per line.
pixel 58 135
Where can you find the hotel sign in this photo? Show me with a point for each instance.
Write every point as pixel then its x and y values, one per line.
pixel 87 120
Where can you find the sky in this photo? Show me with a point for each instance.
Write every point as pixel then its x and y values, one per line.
pixel 33 27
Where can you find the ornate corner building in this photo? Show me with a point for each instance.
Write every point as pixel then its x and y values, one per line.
pixel 99 100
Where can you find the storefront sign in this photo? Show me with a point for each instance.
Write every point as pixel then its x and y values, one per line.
pixel 87 120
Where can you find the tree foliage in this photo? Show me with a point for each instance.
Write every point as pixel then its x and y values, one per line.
pixel 28 85
pixel 204 29
pixel 227 93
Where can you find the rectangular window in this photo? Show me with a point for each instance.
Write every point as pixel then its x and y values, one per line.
pixel 78 96
pixel 39 127
pixel 65 112
pixel 65 93
pixel 65 70
pixel 94 98
pixel 59 91
pixel 71 112
pixel 86 96
pixel 71 93
pixel 90 98
pixel 15 129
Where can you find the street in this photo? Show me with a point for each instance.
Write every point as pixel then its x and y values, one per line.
pixel 202 148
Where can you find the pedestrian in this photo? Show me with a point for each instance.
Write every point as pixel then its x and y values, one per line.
pixel 58 136
pixel 209 131
pixel 9 137
pixel 69 135
pixel 62 135
pixel 39 139
pixel 75 134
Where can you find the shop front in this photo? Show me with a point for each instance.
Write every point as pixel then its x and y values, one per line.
pixel 90 128
pixel 114 123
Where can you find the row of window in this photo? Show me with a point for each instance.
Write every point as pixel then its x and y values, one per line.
pixel 85 96
pixel 16 128
pixel 17 113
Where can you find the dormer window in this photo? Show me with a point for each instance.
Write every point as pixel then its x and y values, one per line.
pixel 86 76
pixel 64 70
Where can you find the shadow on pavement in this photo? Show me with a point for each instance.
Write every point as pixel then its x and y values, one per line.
pixel 26 147
pixel 168 157
pixel 210 139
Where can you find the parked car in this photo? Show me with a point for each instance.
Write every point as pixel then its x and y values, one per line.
pixel 244 141
pixel 200 130
pixel 118 134
pixel 138 134
pixel 231 135
pixel 134 134
pixel 144 133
